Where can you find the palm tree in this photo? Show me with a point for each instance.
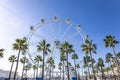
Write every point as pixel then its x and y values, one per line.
pixel 118 55
pixel 85 72
pixel 27 67
pixel 60 68
pixel 107 69
pixel 50 61
pixel 67 49
pixel 21 46
pixel 40 67
pixel 34 68
pixel 97 69
pixel 12 59
pixel 45 48
pixel 37 60
pixel 78 67
pixel 89 47
pixel 62 59
pixel 74 57
pixel 52 67
pixel 23 61
pixel 108 60
pixel 110 41
pixel 88 59
pixel 1 53
pixel 100 64
pixel 85 64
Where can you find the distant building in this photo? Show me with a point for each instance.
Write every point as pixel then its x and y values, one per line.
pixel 5 74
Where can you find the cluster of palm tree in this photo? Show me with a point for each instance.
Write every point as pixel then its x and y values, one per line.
pixel 92 68
pixel 113 61
pixel 21 46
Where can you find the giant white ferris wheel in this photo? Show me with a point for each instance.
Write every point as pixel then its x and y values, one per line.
pixel 55 31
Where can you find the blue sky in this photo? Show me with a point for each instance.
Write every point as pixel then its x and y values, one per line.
pixel 98 18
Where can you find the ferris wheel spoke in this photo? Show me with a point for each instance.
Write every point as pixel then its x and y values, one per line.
pixel 53 32
pixel 57 31
pixel 65 32
pixel 76 42
pixel 33 43
pixel 45 31
pixel 71 36
pixel 41 36
pixel 59 28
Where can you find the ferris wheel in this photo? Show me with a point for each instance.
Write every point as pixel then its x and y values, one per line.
pixel 55 31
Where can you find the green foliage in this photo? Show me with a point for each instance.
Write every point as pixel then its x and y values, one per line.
pixel 1 53
pixel 110 41
pixel 12 58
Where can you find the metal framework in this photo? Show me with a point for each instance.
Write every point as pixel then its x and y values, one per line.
pixel 55 31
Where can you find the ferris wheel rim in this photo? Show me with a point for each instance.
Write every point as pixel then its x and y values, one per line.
pixel 42 23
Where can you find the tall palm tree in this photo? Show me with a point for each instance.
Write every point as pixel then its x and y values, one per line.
pixel 110 41
pixel 118 55
pixel 37 60
pixel 53 67
pixel 62 59
pixel 34 68
pixel 89 47
pixel 67 49
pixel 27 67
pixel 97 69
pixel 108 60
pixel 85 72
pixel 12 59
pixel 88 60
pixel 45 48
pixel 21 46
pixel 100 64
pixel 107 69
pixel 60 68
pixel 23 60
pixel 74 57
pixel 50 61
pixel 1 53
pixel 78 67
pixel 85 65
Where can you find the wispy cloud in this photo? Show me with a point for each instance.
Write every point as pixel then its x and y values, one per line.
pixel 10 29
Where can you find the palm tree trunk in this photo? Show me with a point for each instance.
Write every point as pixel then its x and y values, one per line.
pixel 112 68
pixel 11 70
pixel 63 69
pixel 75 67
pixel 108 74
pixel 26 74
pixel 43 66
pixel 67 67
pixel 94 77
pixel 50 74
pixel 117 62
pixel 88 67
pixel 88 71
pixel 78 75
pixel 34 74
pixel 102 72
pixel 23 70
pixel 60 73
pixel 16 65
pixel 83 69
pixel 37 73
